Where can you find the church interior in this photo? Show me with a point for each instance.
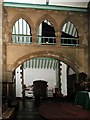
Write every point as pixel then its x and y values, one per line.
pixel 44 60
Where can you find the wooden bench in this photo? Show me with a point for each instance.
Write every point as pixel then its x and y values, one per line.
pixel 8 114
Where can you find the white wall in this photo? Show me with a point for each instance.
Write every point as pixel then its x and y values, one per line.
pixel 32 74
pixel 49 75
pixel 18 83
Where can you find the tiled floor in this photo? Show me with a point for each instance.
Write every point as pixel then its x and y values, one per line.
pixel 28 110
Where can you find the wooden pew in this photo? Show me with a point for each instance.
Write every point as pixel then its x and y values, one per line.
pixel 8 114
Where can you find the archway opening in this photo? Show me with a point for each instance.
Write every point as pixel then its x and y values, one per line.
pixel 46 33
pixel 21 33
pixel 69 36
pixel 55 72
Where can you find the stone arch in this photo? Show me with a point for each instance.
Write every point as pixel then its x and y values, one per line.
pixel 50 19
pixel 73 21
pixel 79 23
pixel 76 21
pixel 49 54
pixel 17 17
pixel 76 25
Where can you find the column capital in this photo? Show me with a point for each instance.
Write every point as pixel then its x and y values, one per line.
pixel 58 34
pixel 58 37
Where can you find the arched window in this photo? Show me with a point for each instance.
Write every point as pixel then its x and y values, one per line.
pixel 21 32
pixel 69 36
pixel 46 33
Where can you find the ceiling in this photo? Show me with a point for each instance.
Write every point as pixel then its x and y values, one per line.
pixel 73 3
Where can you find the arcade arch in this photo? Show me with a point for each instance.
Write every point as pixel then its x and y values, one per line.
pixel 46 33
pixel 15 19
pixel 41 69
pixel 48 18
pixel 21 32
pixel 69 36
pixel 49 54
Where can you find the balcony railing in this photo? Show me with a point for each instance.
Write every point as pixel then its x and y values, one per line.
pixel 70 41
pixel 46 40
pixel 21 39
pixel 27 39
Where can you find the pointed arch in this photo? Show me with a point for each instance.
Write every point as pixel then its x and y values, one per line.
pixel 69 34
pixel 46 26
pixel 21 30
pixel 21 27
pixel 70 29
pixel 16 18
pixel 50 19
pixel 23 16
pixel 74 21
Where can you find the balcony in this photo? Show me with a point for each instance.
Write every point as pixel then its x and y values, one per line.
pixel 70 41
pixel 46 40
pixel 42 40
pixel 21 39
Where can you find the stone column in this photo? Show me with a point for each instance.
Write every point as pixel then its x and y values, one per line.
pixel 7 76
pixel 1 40
pixel 34 38
pixel 58 38
pixel 89 40
pixel 0 55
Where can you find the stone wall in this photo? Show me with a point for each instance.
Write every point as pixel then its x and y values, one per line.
pixel 0 40
pixel 0 56
pixel 89 39
pixel 15 54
